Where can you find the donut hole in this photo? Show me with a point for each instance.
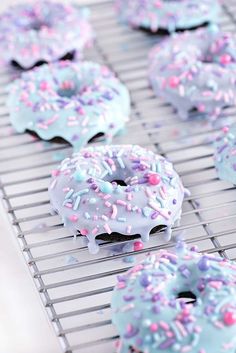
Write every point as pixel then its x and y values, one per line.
pixel 164 32
pixel 188 297
pixel 38 25
pixel 68 56
pixel 67 92
pixel 119 182
pixel 97 137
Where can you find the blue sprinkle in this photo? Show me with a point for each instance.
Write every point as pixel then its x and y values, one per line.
pixel 121 219
pixel 77 202
pixel 87 215
pixel 69 194
pixel 106 187
pixel 79 176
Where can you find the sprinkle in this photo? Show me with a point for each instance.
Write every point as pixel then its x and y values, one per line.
pixel 114 212
pixel 69 194
pixel 121 202
pixel 121 163
pixel 128 229
pixel 107 228
pixel 77 202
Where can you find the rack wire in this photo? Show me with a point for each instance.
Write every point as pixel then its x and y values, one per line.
pixel 75 286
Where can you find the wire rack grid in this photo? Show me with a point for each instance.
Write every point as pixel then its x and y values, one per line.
pixel 76 287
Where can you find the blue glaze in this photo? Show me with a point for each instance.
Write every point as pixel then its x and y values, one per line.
pixel 225 154
pixel 75 101
pixel 130 209
pixel 193 70
pixel 43 30
pixel 150 319
pixel 170 15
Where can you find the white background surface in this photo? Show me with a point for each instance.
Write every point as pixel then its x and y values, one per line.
pixel 24 326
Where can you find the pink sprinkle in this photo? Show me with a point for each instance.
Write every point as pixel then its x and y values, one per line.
pixel 73 218
pixel 68 205
pixel 66 189
pixel 174 81
pixel 229 318
pixel 44 85
pixel 129 207
pixel 164 326
pixel 154 327
pixel 201 108
pixel 154 179
pixel 94 231
pixel 158 4
pixel 181 328
pixel 225 59
pixel 225 129
pixel 129 196
pixel 107 228
pixel 84 231
pixel 55 172
pixel 107 204
pixel 121 202
pixel 138 245
pixel 121 285
pixel 114 212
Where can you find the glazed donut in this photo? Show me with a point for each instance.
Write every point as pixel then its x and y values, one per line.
pixel 149 318
pixel 195 70
pixel 74 101
pixel 43 31
pixel 225 154
pixel 123 189
pixel 170 15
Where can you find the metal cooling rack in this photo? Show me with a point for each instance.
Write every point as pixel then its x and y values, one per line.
pixel 75 286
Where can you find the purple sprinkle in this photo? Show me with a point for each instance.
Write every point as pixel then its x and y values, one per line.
pixel 204 264
pixel 145 280
pixel 168 343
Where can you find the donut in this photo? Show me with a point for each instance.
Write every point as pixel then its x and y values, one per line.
pixel 150 318
pixel 43 31
pixel 225 154
pixel 195 71
pixel 122 189
pixel 169 15
pixel 74 101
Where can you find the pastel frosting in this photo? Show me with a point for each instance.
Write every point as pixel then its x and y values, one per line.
pixel 195 70
pixel 170 15
pixel 150 319
pixel 74 101
pixel 225 154
pixel 43 31
pixel 124 189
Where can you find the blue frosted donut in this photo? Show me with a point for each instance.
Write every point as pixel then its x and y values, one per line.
pixel 75 101
pixel 124 189
pixel 195 70
pixel 150 319
pixel 43 31
pixel 170 15
pixel 225 154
